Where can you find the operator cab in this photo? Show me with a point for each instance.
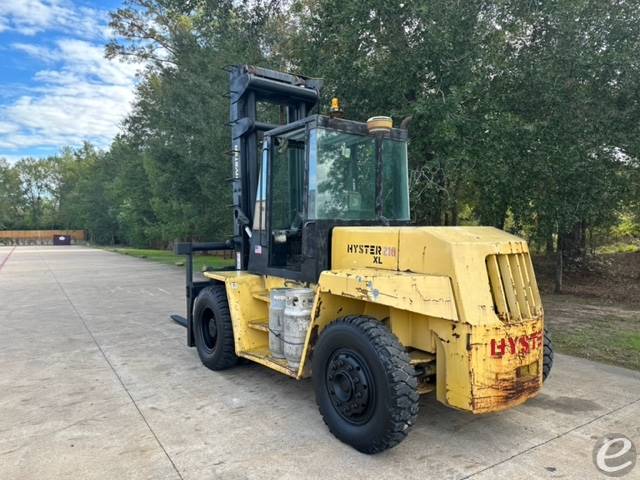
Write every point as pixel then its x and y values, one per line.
pixel 317 173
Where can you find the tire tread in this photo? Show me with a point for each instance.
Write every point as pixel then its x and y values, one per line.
pixel 217 294
pixel 547 361
pixel 401 377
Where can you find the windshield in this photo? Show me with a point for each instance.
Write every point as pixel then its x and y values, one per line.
pixel 342 177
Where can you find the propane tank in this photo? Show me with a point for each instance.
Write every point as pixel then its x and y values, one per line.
pixel 297 316
pixel 278 300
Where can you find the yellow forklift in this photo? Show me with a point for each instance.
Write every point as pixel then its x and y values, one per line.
pixel 332 282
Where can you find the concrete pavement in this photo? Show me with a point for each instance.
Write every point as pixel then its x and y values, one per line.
pixel 97 383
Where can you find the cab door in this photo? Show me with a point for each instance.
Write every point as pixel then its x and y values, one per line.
pixel 286 200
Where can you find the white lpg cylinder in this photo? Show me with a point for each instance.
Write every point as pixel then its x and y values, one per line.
pixel 297 316
pixel 278 300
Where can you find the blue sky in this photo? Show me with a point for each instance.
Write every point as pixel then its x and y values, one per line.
pixel 56 87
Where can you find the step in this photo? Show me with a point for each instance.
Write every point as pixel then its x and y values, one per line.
pixel 418 357
pixel 263 356
pixel 261 325
pixel 262 295
pixel 424 388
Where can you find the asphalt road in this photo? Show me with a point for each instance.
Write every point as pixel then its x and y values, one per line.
pixel 96 382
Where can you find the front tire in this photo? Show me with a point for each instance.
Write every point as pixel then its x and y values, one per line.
pixel 364 383
pixel 212 329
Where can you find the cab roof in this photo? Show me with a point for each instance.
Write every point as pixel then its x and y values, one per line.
pixel 324 121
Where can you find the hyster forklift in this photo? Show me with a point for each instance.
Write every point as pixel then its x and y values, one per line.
pixel 381 311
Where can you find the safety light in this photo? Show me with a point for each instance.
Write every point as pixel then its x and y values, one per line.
pixel 336 109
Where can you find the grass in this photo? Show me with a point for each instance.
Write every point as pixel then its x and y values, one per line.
pixel 633 342
pixel 607 339
pixel 169 258
pixel 618 248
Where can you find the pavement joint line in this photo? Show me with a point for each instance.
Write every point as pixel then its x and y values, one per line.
pixel 560 435
pixel 6 258
pixel 106 359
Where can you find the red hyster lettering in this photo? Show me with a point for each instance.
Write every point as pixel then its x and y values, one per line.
pixel 516 345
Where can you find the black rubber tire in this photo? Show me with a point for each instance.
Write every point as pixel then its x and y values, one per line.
pixel 547 362
pixel 217 353
pixel 393 382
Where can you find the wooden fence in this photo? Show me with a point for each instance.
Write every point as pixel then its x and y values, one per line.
pixel 38 237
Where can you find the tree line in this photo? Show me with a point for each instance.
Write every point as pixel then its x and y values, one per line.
pixel 521 115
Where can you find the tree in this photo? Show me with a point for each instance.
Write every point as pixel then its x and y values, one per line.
pixel 12 202
pixel 131 194
pixel 178 125
pixel 84 193
pixel 38 182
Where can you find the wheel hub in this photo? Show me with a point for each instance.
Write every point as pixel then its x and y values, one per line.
pixel 209 329
pixel 349 385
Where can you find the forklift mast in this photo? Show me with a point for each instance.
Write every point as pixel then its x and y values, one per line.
pixel 250 87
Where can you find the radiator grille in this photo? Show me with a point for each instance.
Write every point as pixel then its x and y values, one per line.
pixel 513 287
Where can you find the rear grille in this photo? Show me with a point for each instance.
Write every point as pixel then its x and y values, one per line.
pixel 513 287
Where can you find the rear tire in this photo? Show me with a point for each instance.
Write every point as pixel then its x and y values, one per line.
pixel 364 383
pixel 212 329
pixel 547 362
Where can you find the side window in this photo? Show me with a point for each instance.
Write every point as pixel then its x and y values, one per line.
pixel 395 177
pixel 260 212
pixel 287 177
pixel 313 173
pixel 286 200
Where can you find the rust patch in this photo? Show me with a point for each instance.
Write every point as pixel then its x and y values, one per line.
pixel 505 393
pixel 316 314
pixel 362 291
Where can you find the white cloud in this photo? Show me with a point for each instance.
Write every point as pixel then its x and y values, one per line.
pixel 37 51
pixel 76 94
pixel 29 17
pixel 82 96
pixel 80 58
pixel 7 127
